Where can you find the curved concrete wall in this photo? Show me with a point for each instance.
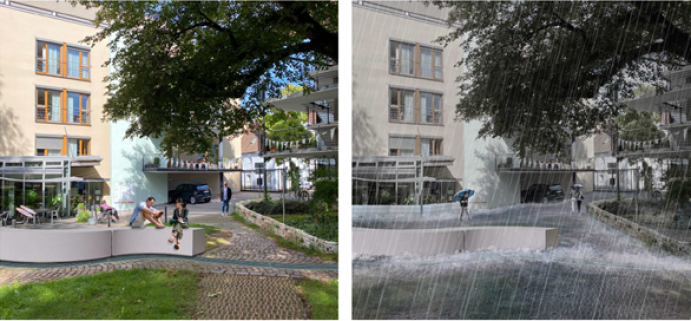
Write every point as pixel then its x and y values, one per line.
pixel 451 240
pixel 74 245
pixel 44 246
pixel 153 241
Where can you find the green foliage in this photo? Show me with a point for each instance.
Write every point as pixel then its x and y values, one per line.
pixel 83 216
pixel 270 207
pixel 31 198
pixel 124 294
pixel 326 229
pixel 542 72
pixel 678 183
pixel 189 72
pixel 290 89
pixel 56 201
pixel 639 126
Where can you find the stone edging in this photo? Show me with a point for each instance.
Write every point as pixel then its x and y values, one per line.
pixel 640 232
pixel 285 231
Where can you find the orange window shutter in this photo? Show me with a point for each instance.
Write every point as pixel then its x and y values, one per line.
pixel 80 148
pixel 45 152
pixel 64 106
pixel 63 152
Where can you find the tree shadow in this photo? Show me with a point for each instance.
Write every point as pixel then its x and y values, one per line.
pixel 12 139
pixel 364 138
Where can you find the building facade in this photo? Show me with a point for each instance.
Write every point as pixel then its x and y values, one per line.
pixel 52 140
pixel 408 147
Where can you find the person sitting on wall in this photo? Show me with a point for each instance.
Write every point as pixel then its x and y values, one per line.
pixel 147 213
pixel 113 211
pixel 179 221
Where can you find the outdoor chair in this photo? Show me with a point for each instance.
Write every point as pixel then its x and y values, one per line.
pixel 53 214
pixel 26 215
pixel 3 218
pixel 30 211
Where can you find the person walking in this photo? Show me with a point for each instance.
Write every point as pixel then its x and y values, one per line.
pixel 574 198
pixel 225 199
pixel 579 198
pixel 464 206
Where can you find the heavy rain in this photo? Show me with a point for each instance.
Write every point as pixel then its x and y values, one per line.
pixel 555 118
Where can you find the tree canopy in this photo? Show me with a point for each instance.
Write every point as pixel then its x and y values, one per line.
pixel 193 71
pixel 543 72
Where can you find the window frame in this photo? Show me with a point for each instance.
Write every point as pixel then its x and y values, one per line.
pixel 64 95
pixel 433 145
pixel 399 96
pixel 435 96
pixel 63 59
pixel 416 59
pixel 399 51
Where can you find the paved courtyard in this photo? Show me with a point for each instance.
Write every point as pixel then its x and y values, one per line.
pixel 239 291
pixel 596 272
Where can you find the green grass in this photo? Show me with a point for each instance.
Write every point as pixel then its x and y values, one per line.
pixel 322 297
pixel 287 244
pixel 131 294
pixel 212 242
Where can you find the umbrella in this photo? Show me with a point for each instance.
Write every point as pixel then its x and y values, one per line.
pixel 469 192
pixel 577 185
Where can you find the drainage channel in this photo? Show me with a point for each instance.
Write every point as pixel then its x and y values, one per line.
pixel 287 266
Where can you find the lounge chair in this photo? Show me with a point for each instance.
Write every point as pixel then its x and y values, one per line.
pixel 26 215
pixel 30 211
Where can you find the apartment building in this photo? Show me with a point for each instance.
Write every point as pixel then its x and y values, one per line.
pixel 407 146
pixel 52 140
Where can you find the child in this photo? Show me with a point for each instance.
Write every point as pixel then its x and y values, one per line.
pixel 179 222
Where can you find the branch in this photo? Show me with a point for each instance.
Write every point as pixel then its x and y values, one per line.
pixel 216 26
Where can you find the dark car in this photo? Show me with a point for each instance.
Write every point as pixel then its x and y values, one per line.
pixel 543 193
pixel 191 193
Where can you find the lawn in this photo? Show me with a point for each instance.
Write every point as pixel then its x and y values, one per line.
pixel 322 297
pixel 131 294
pixel 215 237
pixel 285 243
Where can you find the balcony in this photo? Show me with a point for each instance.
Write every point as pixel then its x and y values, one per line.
pixel 514 164
pixel 164 164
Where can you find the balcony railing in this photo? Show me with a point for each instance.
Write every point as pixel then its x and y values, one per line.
pixel 152 163
pixel 275 142
pixel 515 163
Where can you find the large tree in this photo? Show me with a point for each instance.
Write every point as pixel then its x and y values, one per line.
pixel 193 71
pixel 544 72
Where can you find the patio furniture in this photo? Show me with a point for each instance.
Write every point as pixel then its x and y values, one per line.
pixel 32 212
pixel 3 218
pixel 26 215
pixel 53 214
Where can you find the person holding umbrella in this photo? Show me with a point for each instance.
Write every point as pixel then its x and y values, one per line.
pixel 576 197
pixel 463 197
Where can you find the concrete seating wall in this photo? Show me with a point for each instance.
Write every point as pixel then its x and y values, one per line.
pixel 451 240
pixel 74 245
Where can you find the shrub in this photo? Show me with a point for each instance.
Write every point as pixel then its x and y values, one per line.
pixel 83 217
pixel 267 208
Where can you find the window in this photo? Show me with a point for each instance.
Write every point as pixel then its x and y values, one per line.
pixel 430 108
pixel 401 58
pixel 62 60
pixel 48 58
pixel 430 147
pixel 401 146
pixel 48 152
pixel 48 106
pixel 401 105
pixel 77 108
pixel 78 147
pixel 49 145
pixel 688 80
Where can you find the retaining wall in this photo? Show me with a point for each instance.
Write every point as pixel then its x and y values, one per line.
pixel 285 231
pixel 643 233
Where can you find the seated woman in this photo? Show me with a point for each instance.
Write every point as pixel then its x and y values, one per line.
pixel 179 221
pixel 113 211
